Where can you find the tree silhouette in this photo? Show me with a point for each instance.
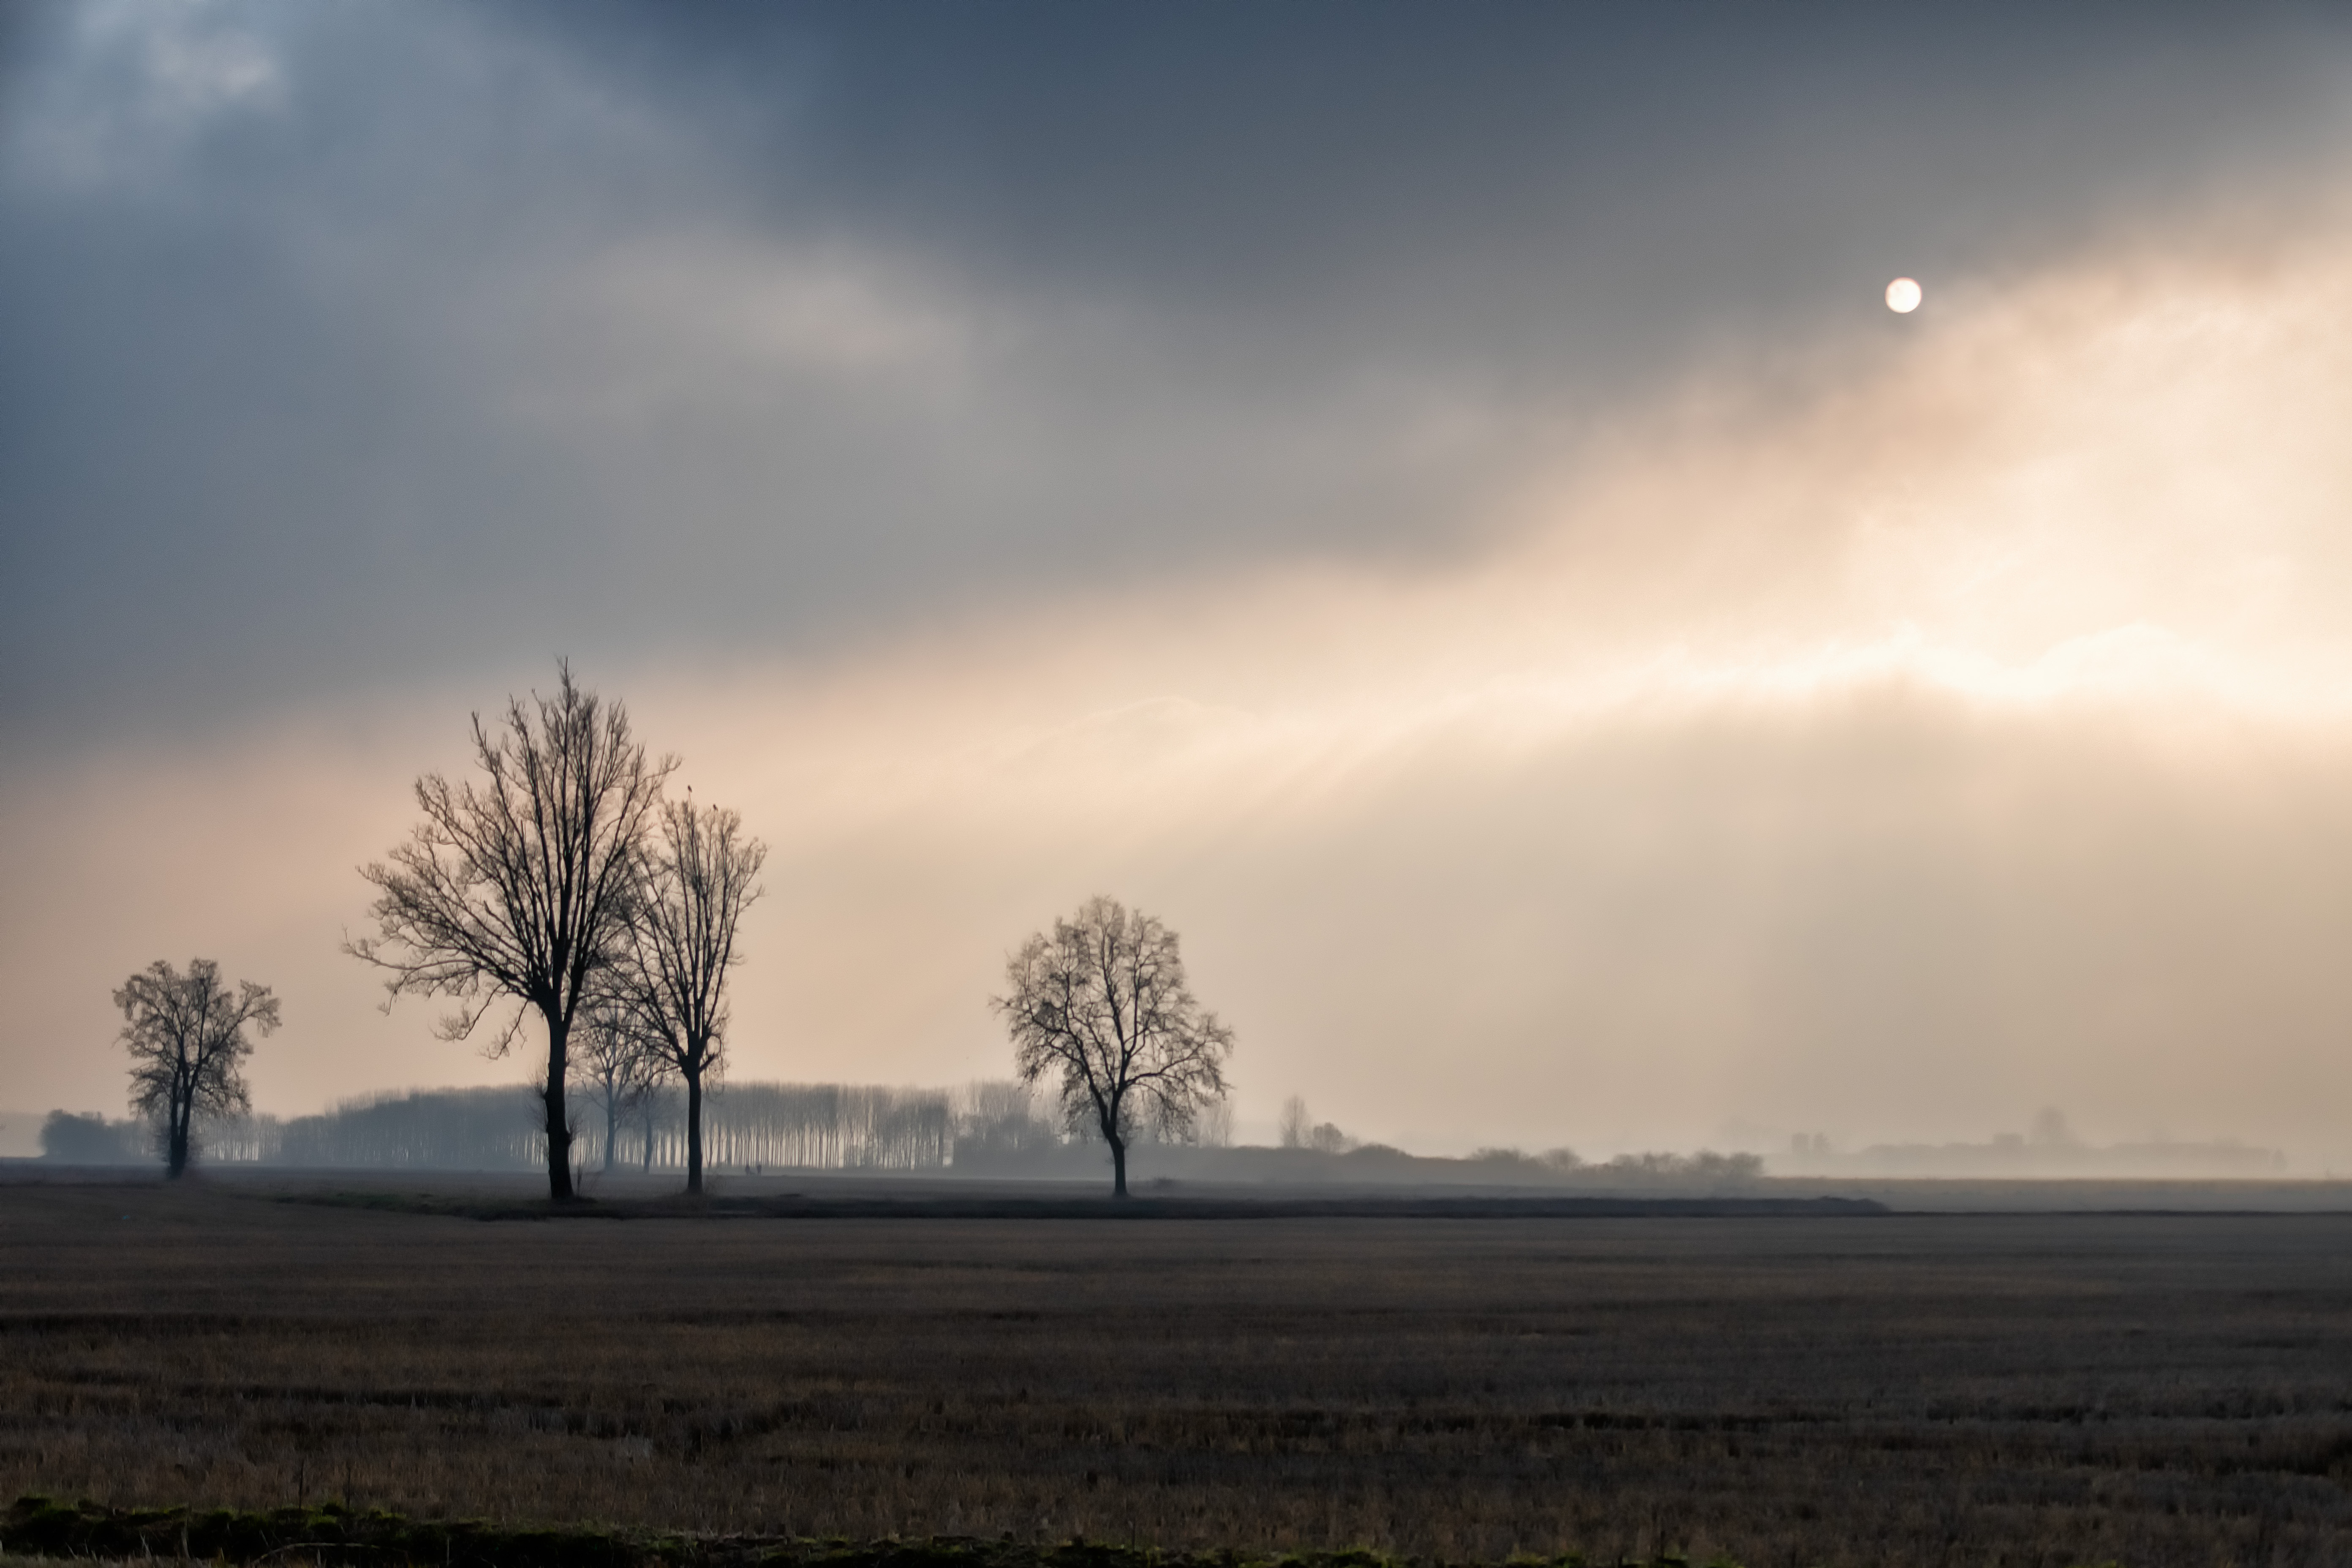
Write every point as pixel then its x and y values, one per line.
pixel 696 882
pixel 186 1036
pixel 522 885
pixel 1102 1002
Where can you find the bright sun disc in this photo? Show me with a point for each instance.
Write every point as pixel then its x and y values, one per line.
pixel 1903 295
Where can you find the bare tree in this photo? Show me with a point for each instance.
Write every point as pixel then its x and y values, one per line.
pixel 620 1068
pixel 697 883
pixel 1297 1126
pixel 522 885
pixel 186 1034
pixel 1102 1002
pixel 1213 1128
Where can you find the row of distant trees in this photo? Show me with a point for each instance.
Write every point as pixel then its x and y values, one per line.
pixel 998 1126
pixel 773 1125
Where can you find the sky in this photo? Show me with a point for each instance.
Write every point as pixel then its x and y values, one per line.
pixel 1429 501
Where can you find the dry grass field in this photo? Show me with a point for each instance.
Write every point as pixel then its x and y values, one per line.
pixel 1934 1390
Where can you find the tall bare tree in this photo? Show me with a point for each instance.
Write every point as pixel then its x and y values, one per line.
pixel 522 885
pixel 698 882
pixel 186 1036
pixel 1102 1002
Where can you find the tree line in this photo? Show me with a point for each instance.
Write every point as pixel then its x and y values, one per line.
pixel 820 1126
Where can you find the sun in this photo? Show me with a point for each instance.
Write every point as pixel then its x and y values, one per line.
pixel 1903 295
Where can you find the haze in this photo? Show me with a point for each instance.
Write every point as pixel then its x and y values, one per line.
pixel 1430 503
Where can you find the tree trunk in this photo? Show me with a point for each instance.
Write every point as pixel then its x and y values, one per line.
pixel 1117 1166
pixel 694 1132
pixel 612 1125
pixel 559 1136
pixel 176 1140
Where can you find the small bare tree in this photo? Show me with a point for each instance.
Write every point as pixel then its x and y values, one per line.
pixel 522 885
pixel 620 1068
pixel 1102 1002
pixel 186 1035
pixel 697 883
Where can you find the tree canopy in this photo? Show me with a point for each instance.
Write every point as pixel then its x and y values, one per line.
pixel 1100 1004
pixel 187 1036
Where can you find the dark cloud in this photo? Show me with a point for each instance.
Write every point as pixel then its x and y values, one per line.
pixel 1533 179
pixel 360 344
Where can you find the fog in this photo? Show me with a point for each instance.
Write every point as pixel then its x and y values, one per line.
pixel 1571 665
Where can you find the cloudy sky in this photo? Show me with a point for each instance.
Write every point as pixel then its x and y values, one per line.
pixel 1428 500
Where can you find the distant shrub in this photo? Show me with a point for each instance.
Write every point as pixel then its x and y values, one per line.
pixel 1705 1168
pixel 1327 1138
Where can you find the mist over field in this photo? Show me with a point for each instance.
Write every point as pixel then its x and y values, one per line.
pixel 1433 508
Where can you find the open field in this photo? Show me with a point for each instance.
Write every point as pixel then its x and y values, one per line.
pixel 2039 1388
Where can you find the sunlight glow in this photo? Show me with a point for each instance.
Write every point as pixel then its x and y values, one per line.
pixel 2014 664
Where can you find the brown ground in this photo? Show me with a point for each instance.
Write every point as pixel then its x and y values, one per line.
pixel 1899 1390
